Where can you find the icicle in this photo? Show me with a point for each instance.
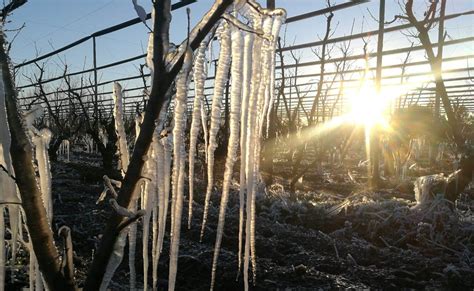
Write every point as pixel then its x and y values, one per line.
pixel 168 149
pixel 219 85
pixel 199 79
pixel 2 248
pixel 154 246
pixel 103 136
pixel 247 75
pixel 251 139
pixel 64 149
pixel 38 277
pixel 149 55
pixel 9 191
pixel 117 254
pixel 148 203
pixel 157 217
pixel 115 259
pixel 132 233
pixel 279 18
pixel 120 128
pixel 262 81
pixel 162 174
pixel 235 100
pixel 41 141
pixel 204 124
pixel 263 92
pixel 179 163
pixel 32 269
pixel 15 227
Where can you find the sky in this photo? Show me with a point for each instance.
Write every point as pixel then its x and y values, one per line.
pixel 51 24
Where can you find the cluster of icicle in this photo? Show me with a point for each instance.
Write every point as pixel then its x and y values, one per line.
pixel 124 157
pixel 40 140
pixel 250 52
pixel 64 150
pixel 9 196
pixel 247 52
pixel 9 199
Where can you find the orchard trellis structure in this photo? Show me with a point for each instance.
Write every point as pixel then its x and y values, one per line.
pixel 296 97
pixel 97 93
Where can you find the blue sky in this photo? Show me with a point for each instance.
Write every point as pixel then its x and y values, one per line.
pixel 51 24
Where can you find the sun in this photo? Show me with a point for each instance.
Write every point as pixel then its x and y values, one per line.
pixel 368 108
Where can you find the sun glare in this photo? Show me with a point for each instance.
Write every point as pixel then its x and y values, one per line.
pixel 367 107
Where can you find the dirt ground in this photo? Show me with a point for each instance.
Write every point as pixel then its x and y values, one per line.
pixel 332 234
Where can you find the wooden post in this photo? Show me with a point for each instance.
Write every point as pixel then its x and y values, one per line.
pixel 271 4
pixel 94 56
pixel 374 179
pixel 442 14
pixel 437 105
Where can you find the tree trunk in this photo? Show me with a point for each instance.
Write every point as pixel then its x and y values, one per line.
pixel 374 179
pixel 54 147
pixel 41 235
pixel 162 81
pixel 467 160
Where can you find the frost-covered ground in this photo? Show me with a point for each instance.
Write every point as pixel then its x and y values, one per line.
pixel 332 234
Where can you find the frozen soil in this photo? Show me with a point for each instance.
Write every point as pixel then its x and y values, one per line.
pixel 331 234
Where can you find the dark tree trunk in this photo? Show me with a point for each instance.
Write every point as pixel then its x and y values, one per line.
pixel 162 81
pixel 54 147
pixel 41 235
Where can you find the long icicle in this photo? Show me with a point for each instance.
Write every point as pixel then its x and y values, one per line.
pixel 168 150
pixel 202 103
pixel 9 190
pixel 219 86
pixel 280 17
pixel 148 203
pixel 247 75
pixel 157 213
pixel 124 156
pixel 133 229
pixel 235 101
pixel 164 151
pixel 2 248
pixel 158 208
pixel 41 141
pixel 199 77
pixel 118 252
pixel 251 137
pixel 257 129
pixel 179 153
